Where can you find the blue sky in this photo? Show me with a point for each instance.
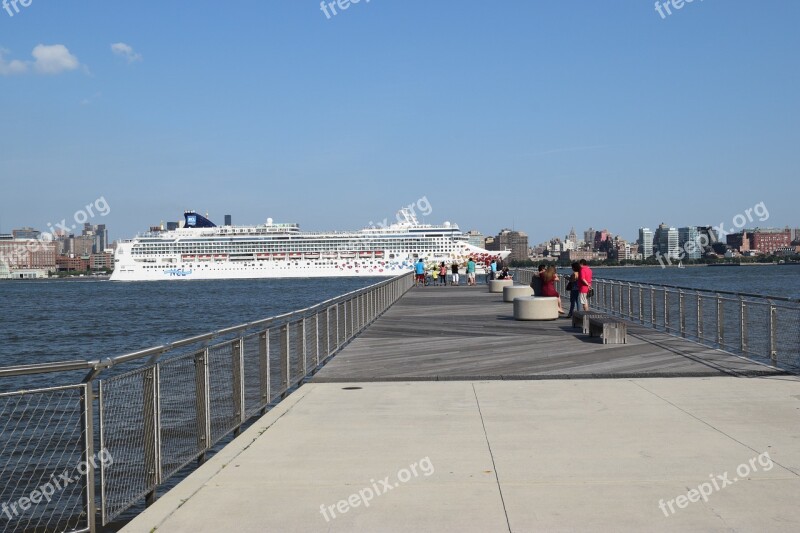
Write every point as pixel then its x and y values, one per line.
pixel 531 114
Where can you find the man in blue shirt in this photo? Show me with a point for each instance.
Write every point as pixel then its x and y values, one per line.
pixel 470 272
pixel 420 270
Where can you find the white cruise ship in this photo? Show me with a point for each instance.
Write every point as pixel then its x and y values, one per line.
pixel 202 250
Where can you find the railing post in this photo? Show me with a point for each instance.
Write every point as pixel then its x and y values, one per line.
pixel 338 338
pixel 152 444
pixel 773 323
pixel 653 305
pixel 720 322
pixel 264 374
pixel 699 317
pixel 611 286
pixel 237 364
pixel 641 304
pixel 327 332
pixel 316 339
pixel 353 318
pixel 285 359
pixel 666 310
pixel 202 407
pixel 630 302
pixel 743 323
pixel 303 347
pixel 87 431
pixel 682 312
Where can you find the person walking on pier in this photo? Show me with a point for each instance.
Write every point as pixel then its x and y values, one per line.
pixel 470 272
pixel 454 269
pixel 574 288
pixel 420 270
pixel 585 282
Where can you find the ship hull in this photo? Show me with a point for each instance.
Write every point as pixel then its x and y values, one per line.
pixel 265 270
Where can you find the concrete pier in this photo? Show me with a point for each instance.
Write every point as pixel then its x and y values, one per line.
pixel 445 415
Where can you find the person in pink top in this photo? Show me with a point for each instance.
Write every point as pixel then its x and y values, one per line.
pixel 585 282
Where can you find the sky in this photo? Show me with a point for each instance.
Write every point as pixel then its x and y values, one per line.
pixel 524 114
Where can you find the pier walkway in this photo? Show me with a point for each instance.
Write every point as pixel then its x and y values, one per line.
pixel 446 415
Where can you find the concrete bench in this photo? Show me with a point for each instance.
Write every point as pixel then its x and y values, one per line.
pixel 496 285
pixel 535 308
pixel 581 319
pixel 516 291
pixel 611 330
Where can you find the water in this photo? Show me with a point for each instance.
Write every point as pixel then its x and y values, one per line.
pixel 768 280
pixel 61 320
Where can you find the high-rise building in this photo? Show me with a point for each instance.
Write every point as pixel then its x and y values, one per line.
pixel 572 239
pixel 516 241
pixel 645 242
pixel 601 243
pixel 100 238
pixel 665 241
pixel 690 235
pixel 588 237
pixel 475 238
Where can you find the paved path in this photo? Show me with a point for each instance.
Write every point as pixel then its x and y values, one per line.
pixel 466 333
pixel 420 441
pixel 560 455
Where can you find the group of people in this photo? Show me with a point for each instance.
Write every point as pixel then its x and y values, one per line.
pixel 437 274
pixel 495 269
pixel 579 285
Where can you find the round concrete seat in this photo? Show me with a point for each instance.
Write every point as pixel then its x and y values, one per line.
pixel 536 308
pixel 496 285
pixel 516 291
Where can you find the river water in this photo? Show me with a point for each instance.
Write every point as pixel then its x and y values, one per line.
pixel 61 320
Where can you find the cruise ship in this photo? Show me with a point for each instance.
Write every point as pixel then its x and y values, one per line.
pixel 202 250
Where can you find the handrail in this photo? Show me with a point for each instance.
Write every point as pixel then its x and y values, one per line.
pixel 221 386
pixel 99 365
pixel 731 293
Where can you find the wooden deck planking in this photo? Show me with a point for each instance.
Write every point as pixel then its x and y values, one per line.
pixel 446 333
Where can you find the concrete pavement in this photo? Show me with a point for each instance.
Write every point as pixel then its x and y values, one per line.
pixel 560 455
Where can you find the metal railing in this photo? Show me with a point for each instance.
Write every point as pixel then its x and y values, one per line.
pixel 765 328
pixel 140 427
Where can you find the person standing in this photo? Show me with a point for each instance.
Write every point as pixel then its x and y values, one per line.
pixel 420 270
pixel 493 268
pixel 443 273
pixel 585 282
pixel 454 269
pixel 470 272
pixel 574 288
pixel 434 275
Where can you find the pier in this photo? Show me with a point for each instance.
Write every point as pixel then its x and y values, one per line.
pixel 445 414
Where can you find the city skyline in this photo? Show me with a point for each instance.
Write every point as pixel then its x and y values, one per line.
pixel 494 112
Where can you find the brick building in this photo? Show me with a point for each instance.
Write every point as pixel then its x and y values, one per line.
pixel 20 254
